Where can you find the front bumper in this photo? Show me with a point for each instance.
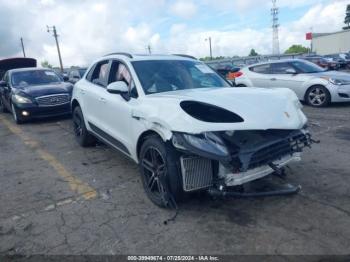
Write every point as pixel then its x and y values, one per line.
pixel 339 93
pixel 252 155
pixel 31 111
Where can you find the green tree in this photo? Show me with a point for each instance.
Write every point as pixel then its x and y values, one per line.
pixel 347 18
pixel 253 52
pixel 297 49
pixel 46 64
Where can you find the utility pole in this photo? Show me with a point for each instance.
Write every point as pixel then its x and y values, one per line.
pixel 24 53
pixel 210 49
pixel 275 25
pixel 149 49
pixel 53 29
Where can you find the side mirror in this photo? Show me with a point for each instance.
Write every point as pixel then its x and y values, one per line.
pixel 291 71
pixel 65 78
pixel 118 87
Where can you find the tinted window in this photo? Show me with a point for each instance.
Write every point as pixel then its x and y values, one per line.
pixel 119 72
pixel 261 69
pixel 306 67
pixel 280 68
pixel 171 75
pixel 99 74
pixel 34 77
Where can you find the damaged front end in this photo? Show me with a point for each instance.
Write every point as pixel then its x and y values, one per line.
pixel 217 160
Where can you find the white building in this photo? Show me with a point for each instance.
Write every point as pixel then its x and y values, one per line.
pixel 331 43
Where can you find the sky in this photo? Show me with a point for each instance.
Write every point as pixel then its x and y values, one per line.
pixel 89 29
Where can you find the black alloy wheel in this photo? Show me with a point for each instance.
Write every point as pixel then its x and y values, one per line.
pixel 160 174
pixel 82 135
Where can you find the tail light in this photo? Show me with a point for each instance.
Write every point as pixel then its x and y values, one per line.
pixel 233 75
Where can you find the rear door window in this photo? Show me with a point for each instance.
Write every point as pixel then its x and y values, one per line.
pixel 280 68
pixel 99 74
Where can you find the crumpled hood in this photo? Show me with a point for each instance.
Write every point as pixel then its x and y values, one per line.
pixel 44 90
pixel 260 108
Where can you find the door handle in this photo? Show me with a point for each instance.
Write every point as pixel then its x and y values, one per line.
pixel 273 79
pixel 82 91
pixel 103 100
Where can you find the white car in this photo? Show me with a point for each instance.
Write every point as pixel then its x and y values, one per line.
pixel 185 126
pixel 311 83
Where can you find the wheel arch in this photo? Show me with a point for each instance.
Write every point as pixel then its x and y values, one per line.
pixel 74 104
pixel 142 138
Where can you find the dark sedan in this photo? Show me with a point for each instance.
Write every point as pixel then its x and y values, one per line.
pixel 34 93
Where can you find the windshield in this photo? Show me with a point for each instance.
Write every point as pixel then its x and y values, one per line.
pixel 34 77
pixel 170 75
pixel 307 67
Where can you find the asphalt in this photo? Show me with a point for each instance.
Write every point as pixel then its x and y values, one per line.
pixel 59 198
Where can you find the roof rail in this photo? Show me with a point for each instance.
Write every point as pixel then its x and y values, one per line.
pixel 120 53
pixel 188 56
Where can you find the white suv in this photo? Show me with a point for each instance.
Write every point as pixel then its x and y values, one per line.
pixel 185 126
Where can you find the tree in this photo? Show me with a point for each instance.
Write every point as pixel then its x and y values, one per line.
pixel 347 18
pixel 297 49
pixel 253 52
pixel 46 64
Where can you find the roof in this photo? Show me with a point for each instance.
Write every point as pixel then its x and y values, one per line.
pixel 276 61
pixel 143 57
pixel 316 35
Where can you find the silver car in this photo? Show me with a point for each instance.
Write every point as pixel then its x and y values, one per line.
pixel 311 83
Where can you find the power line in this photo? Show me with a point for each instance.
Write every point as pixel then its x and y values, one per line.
pixel 275 25
pixel 53 29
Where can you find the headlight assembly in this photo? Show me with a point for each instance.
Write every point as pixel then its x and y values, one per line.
pixel 21 99
pixel 337 81
pixel 207 145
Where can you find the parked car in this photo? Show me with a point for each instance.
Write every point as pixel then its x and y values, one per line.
pixel 76 74
pixel 337 58
pixel 34 93
pixel 185 126
pixel 323 62
pixel 311 83
pixel 17 62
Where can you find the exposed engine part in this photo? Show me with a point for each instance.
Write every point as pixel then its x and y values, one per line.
pixel 238 178
pixel 197 173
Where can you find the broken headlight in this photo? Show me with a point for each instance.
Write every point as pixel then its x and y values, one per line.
pixel 207 145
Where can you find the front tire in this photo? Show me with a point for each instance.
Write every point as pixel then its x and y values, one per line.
pixel 318 96
pixel 2 106
pixel 159 172
pixel 18 120
pixel 82 135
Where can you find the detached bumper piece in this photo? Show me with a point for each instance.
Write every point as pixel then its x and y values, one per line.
pixel 265 187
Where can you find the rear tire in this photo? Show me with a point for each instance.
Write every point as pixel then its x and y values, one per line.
pixel 318 96
pixel 82 135
pixel 160 172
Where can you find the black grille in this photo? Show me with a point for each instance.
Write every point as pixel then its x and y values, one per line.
pixel 278 150
pixel 53 100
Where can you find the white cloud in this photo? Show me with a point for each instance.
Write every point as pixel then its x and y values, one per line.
pixel 184 9
pixel 115 25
